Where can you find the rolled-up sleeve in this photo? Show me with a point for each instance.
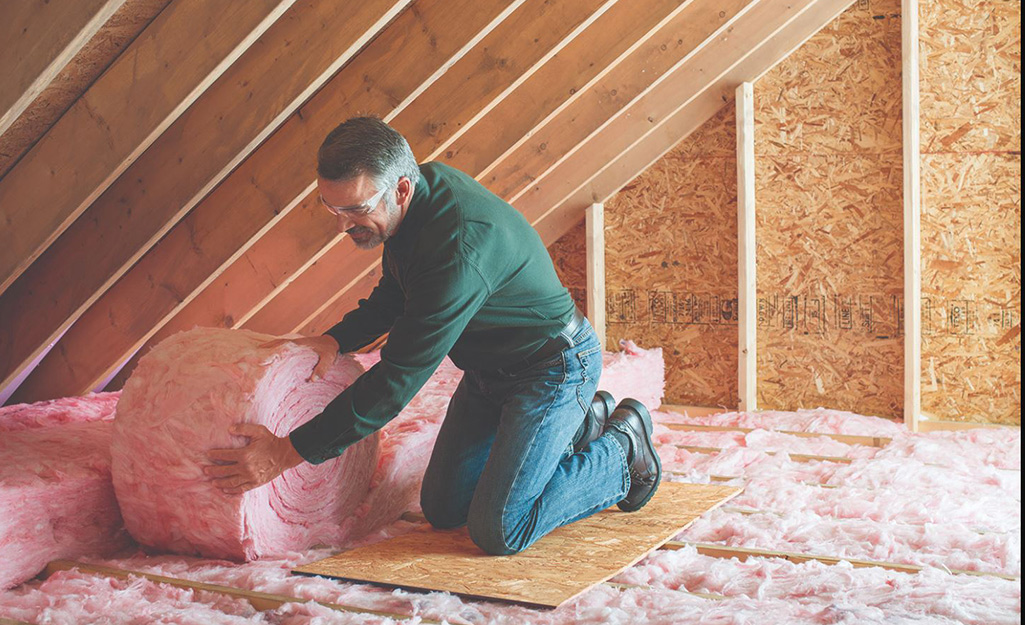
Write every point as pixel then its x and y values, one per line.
pixel 440 301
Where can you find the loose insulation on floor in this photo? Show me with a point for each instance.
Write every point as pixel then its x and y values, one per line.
pixel 945 501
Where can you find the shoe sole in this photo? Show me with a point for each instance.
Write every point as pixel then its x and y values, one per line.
pixel 649 432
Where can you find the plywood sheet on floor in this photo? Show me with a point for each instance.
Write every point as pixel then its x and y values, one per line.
pixel 555 569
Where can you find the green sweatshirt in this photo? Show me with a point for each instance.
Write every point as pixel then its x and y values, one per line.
pixel 465 275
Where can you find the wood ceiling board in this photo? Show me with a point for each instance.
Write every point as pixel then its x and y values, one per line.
pixel 182 52
pixel 557 568
pixel 412 52
pixel 220 129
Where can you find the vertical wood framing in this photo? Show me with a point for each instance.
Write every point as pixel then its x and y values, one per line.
pixel 595 226
pixel 912 218
pixel 747 356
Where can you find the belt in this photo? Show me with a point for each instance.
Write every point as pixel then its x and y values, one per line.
pixel 552 346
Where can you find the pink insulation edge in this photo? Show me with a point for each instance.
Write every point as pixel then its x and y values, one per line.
pixel 180 402
pixel 925 496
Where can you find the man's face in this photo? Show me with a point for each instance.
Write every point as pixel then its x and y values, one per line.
pixel 367 229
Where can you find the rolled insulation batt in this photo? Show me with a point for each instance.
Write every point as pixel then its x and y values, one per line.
pixel 56 498
pixel 179 404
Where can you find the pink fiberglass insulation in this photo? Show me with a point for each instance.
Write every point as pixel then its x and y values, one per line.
pixel 56 498
pixel 634 372
pixel 92 407
pixel 919 480
pixel 179 404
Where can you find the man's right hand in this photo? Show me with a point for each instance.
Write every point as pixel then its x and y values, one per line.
pixel 325 346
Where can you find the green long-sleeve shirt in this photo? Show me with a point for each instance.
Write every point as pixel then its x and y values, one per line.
pixel 466 276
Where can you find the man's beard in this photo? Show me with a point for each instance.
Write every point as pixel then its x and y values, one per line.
pixel 369 238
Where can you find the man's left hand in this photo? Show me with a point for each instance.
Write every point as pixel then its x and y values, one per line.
pixel 244 468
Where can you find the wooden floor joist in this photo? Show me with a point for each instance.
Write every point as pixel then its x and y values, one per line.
pixel 259 600
pixel 850 439
pixel 795 457
pixel 743 553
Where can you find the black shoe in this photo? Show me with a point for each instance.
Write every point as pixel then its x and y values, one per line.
pixel 594 420
pixel 631 418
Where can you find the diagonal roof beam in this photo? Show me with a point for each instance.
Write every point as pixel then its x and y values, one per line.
pixel 186 48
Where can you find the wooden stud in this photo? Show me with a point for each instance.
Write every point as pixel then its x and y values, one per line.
pixel 596 269
pixel 404 60
pixel 40 39
pixel 181 167
pixel 747 292
pixel 743 553
pixel 912 216
pixel 259 600
pixel 187 48
pixel 795 457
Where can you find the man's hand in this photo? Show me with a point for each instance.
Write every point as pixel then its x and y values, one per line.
pixel 325 346
pixel 263 459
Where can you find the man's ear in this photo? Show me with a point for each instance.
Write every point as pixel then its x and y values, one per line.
pixel 405 190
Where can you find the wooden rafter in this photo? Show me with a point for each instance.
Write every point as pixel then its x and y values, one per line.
pixel 165 69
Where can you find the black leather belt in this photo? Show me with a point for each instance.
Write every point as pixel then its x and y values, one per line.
pixel 553 346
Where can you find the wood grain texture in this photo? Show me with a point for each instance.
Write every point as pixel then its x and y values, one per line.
pixel 830 219
pixel 403 60
pixel 165 69
pixel 971 210
pixel 40 39
pixel 268 83
pixel 560 566
pixel 78 74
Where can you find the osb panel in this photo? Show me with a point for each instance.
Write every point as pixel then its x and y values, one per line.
pixel 671 264
pixel 830 283
pixel 840 92
pixel 569 254
pixel 971 287
pixel 553 570
pixel 971 210
pixel 971 75
pixel 91 61
pixel 830 219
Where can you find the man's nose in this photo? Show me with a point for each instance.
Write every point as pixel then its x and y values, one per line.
pixel 343 222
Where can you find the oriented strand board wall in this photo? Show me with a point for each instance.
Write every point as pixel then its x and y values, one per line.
pixel 830 219
pixel 971 209
pixel 671 264
pixel 569 254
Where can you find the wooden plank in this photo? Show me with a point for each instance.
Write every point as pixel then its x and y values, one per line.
pixel 850 439
pixel 75 79
pixel 259 600
pixel 596 270
pixel 40 39
pixel 912 216
pixel 180 168
pixel 611 40
pixel 743 553
pixel 416 49
pixel 686 98
pixel 747 292
pixel 694 411
pixel 931 425
pixel 795 457
pixel 165 69
pixel 560 566
pixel 633 72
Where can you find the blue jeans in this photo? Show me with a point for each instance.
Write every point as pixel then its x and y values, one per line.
pixel 504 464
